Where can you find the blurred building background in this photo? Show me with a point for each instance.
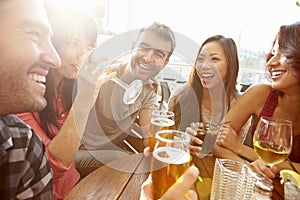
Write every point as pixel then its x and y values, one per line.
pixel 252 24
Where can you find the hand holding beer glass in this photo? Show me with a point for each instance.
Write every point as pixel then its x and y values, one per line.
pixel 207 133
pixel 170 159
pixel 160 120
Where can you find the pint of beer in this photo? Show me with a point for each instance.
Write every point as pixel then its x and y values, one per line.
pixel 170 159
pixel 160 120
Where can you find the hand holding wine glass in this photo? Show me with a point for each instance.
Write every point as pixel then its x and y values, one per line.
pixel 273 140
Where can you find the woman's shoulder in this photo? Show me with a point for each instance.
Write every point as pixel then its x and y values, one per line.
pixel 178 95
pixel 258 90
pixel 182 91
pixel 256 95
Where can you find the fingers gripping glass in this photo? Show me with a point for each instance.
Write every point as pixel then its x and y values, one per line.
pixel 208 133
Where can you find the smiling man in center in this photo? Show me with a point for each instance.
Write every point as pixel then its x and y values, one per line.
pixel 112 119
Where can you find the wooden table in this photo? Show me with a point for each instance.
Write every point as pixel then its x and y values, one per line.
pixel 122 179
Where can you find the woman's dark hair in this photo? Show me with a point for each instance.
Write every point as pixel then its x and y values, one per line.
pixel 65 24
pixel 289 44
pixel 231 54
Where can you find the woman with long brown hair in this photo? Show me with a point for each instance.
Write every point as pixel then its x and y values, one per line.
pixel 280 99
pixel 210 91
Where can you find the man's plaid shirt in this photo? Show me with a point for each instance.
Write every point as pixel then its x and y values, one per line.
pixel 24 168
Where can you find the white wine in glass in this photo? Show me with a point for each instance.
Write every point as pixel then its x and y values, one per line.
pixel 273 139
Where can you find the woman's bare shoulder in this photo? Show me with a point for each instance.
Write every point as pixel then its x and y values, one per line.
pixel 255 96
pixel 258 91
pixel 249 104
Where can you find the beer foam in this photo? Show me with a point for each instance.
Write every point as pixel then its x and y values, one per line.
pixel 163 122
pixel 171 155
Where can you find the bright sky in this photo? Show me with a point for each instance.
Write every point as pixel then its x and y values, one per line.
pixel 252 23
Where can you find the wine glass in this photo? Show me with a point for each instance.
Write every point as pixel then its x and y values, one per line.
pixel 273 140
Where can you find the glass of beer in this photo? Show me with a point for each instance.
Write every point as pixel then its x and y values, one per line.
pixel 160 120
pixel 208 133
pixel 170 159
pixel 273 140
